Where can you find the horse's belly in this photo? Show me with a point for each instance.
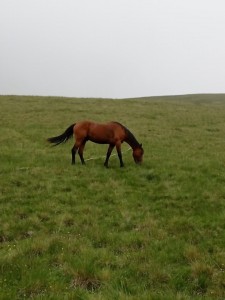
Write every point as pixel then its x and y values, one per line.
pixel 99 140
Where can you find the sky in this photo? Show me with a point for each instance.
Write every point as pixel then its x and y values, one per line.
pixel 112 48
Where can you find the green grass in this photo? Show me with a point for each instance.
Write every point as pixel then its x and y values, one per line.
pixel 155 231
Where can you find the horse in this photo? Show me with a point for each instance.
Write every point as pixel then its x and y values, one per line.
pixel 112 133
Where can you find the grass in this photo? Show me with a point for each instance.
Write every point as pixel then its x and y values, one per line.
pixel 86 232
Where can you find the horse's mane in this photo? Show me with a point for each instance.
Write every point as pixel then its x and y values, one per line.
pixel 129 135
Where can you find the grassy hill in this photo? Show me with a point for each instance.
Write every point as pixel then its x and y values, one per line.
pixel 155 231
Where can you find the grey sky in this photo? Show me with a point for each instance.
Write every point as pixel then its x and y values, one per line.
pixel 112 48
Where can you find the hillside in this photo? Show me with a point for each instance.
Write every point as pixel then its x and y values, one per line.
pixel 154 231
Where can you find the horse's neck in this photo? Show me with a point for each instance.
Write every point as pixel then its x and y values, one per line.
pixel 131 140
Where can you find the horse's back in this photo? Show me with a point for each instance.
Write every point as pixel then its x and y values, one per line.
pixel 103 133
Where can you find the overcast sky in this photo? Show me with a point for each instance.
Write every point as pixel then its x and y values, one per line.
pixel 112 48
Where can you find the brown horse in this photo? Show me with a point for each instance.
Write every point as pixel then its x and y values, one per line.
pixel 112 133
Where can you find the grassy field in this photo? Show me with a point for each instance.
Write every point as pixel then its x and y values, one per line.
pixel 155 231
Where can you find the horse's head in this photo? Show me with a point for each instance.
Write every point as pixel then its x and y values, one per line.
pixel 138 154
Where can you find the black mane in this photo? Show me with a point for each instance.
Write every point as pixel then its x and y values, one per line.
pixel 130 138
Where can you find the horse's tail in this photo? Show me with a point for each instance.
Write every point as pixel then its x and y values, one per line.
pixel 63 137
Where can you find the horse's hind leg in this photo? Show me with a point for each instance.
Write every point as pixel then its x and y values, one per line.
pixel 110 149
pixel 73 151
pixel 80 151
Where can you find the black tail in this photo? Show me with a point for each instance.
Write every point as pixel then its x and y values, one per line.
pixel 63 137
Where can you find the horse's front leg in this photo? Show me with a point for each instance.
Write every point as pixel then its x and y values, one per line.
pixel 110 149
pixel 118 148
